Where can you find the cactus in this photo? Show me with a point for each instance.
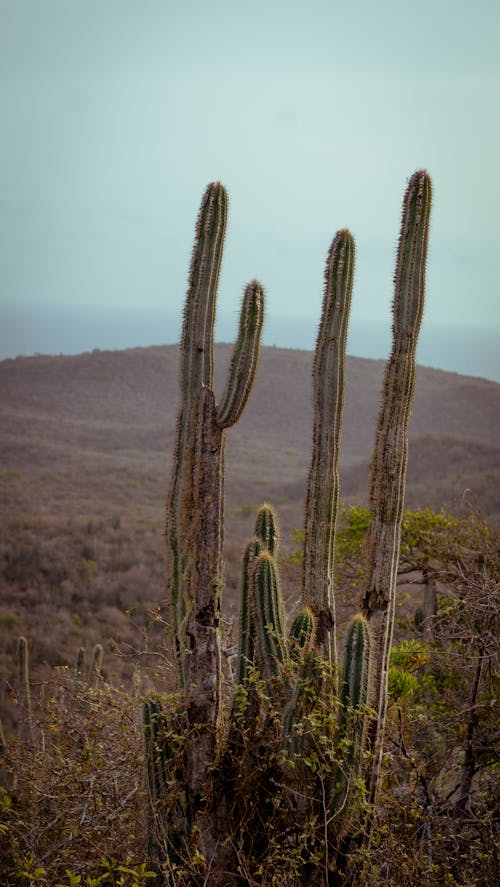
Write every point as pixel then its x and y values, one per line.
pixel 267 530
pixel 303 631
pixel 328 398
pixel 266 538
pixel 196 501
pixel 194 548
pixel 246 651
pixel 388 477
pixel 26 715
pixel 268 616
pixel 95 667
pixel 80 662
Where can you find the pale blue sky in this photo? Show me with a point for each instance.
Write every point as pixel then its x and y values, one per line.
pixel 116 114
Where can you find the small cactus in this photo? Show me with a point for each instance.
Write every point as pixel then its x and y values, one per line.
pixel 95 667
pixel 268 616
pixel 26 715
pixel 303 631
pixel 80 662
pixel 246 651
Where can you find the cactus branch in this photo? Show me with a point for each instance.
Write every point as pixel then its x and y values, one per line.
pixel 245 356
pixel 323 487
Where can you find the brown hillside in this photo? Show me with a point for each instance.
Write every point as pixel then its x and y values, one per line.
pixel 94 433
pixel 85 447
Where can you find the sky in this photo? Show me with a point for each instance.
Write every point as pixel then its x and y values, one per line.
pixel 116 114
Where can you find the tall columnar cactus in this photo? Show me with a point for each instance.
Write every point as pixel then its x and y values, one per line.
pixel 195 536
pixel 196 500
pixel 388 476
pixel 25 714
pixel 323 485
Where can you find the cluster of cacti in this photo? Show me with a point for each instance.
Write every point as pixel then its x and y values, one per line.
pixel 94 673
pixel 195 523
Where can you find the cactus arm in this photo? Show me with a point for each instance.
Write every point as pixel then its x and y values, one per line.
pixel 245 356
pixel 391 449
pixel 322 492
pixel 197 364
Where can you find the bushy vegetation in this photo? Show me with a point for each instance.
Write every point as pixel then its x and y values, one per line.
pixel 75 807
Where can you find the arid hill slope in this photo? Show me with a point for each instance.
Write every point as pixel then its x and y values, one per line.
pixel 85 449
pixel 94 433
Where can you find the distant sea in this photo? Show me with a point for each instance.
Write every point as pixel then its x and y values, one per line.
pixel 29 328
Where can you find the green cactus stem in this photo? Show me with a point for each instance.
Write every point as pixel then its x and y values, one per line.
pixel 266 529
pixel 323 485
pixel 165 823
pixel 268 617
pixel 246 647
pixel 266 538
pixel 355 680
pixel 388 475
pixel 25 710
pixel 353 723
pixel 303 632
pixel 245 357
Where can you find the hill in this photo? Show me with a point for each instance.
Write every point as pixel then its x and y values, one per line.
pixel 85 449
pixel 93 433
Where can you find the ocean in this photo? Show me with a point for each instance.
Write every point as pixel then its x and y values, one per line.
pixel 30 328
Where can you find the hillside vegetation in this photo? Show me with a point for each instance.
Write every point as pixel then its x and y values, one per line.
pixel 85 446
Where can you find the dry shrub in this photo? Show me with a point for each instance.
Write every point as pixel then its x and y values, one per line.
pixel 77 796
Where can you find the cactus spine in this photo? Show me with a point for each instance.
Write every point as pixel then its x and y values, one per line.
pixel 388 476
pixel 196 500
pixel 323 484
